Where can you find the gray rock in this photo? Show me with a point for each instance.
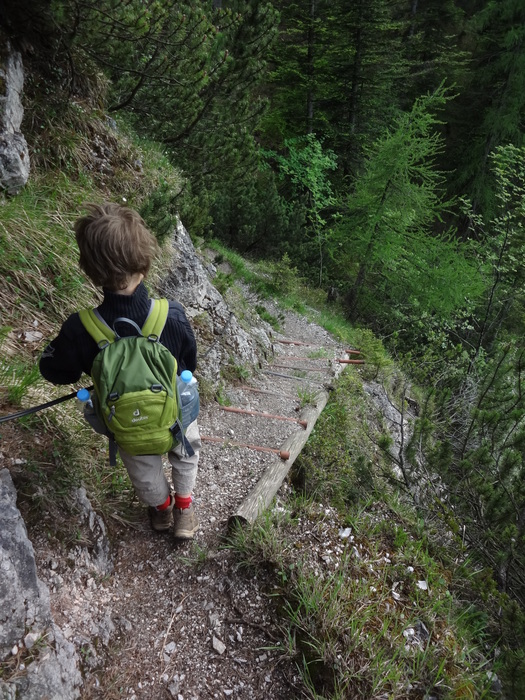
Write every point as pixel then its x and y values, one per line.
pixel 219 646
pixel 188 282
pixel 52 670
pixel 98 556
pixel 24 600
pixel 14 153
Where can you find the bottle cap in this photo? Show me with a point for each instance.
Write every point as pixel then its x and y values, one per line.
pixel 186 376
pixel 83 395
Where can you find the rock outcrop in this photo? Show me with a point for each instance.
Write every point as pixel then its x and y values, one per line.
pixel 14 153
pixel 221 337
pixel 44 663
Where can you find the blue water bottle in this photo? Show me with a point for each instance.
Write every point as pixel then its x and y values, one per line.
pixel 189 397
pixel 84 396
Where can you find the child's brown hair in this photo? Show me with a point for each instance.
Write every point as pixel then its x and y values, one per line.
pixel 114 244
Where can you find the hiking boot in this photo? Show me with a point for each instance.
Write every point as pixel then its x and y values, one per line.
pixel 161 519
pixel 185 523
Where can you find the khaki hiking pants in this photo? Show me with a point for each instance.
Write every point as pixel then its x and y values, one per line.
pixel 147 473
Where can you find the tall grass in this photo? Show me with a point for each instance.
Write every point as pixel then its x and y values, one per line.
pixel 366 589
pixel 377 620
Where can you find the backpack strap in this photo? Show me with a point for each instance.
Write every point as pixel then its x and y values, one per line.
pixel 156 319
pixel 103 335
pixel 97 328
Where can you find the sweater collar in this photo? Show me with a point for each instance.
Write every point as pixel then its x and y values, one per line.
pixel 135 306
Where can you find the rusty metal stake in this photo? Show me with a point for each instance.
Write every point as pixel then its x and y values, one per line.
pixel 350 362
pixel 290 376
pixel 234 409
pixel 283 454
pixel 304 359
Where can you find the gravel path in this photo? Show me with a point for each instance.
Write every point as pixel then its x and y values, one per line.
pixel 182 621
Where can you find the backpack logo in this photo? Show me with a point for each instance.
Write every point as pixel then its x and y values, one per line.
pixel 138 416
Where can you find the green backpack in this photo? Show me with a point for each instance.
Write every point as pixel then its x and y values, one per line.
pixel 135 381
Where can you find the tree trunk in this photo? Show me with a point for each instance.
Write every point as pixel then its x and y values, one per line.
pixel 310 70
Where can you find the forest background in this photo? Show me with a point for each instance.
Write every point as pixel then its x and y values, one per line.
pixel 377 149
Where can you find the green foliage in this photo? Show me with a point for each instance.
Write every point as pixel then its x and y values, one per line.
pixel 223 281
pixel 489 112
pixel 484 471
pixel 284 277
pixel 17 376
pixel 346 624
pixel 234 372
pixel 306 167
pixel 268 317
pixel 336 462
pixel 333 75
pixel 252 216
pixel 195 79
pixel 394 266
pixel 187 75
pixel 432 31
pixel 502 308
pixel 37 249
pixel 159 211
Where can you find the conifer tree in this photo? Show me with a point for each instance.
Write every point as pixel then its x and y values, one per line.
pixel 187 74
pixel 337 71
pixel 306 166
pixel 362 74
pixel 501 250
pixel 489 111
pixel 385 253
pixel 431 44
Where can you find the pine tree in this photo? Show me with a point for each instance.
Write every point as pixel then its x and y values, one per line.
pixel 337 71
pixel 385 253
pixel 306 166
pixel 489 111
pixel 187 74
pixel 362 73
pixel 431 44
pixel 501 251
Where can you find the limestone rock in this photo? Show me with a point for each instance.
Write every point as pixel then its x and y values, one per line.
pixel 98 555
pixel 14 154
pixel 25 619
pixel 221 336
pixel 24 600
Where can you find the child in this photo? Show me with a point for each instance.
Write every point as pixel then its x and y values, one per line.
pixel 116 252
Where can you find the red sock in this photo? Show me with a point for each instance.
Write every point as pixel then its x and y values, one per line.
pixel 165 504
pixel 182 503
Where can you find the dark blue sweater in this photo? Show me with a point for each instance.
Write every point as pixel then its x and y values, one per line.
pixel 72 352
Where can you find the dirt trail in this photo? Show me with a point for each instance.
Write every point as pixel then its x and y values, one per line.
pixel 182 622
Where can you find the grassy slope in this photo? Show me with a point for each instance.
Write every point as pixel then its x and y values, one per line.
pixel 346 629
